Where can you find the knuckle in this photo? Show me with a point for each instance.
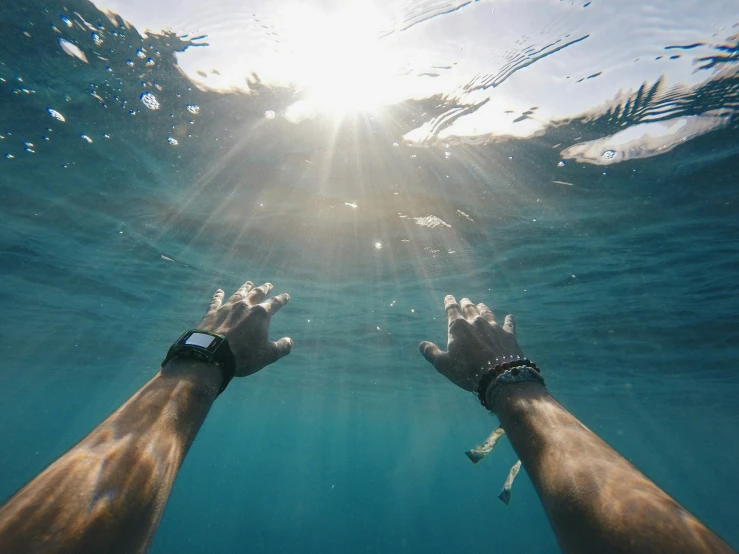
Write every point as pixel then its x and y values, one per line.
pixel 479 321
pixel 458 325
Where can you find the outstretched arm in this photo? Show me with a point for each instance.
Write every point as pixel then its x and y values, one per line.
pixel 596 501
pixel 107 494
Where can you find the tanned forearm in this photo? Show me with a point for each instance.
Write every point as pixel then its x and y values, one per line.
pixel 107 494
pixel 595 499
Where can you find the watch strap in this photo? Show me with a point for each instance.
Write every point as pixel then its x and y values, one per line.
pixel 207 347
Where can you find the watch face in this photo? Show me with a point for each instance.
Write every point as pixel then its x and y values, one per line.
pixel 199 339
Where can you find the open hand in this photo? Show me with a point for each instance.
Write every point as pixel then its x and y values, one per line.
pixel 244 321
pixel 476 343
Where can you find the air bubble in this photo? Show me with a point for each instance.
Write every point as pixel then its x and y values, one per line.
pixel 193 109
pixel 72 50
pixel 150 101
pixel 56 115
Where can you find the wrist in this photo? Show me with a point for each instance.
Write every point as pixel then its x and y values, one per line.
pixel 204 377
pixel 516 399
pixel 504 375
pixel 208 347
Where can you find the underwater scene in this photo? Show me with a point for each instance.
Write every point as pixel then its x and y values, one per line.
pixel 575 164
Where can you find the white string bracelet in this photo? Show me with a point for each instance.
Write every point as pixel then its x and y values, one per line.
pixel 505 494
pixel 478 454
pixel 507 373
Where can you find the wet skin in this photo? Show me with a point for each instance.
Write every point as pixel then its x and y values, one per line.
pixel 108 492
pixel 596 501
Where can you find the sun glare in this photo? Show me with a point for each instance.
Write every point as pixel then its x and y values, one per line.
pixel 337 59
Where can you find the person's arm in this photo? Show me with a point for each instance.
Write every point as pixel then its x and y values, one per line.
pixel 107 494
pixel 596 501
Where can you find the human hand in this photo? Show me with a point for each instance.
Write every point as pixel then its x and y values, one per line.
pixel 244 321
pixel 476 343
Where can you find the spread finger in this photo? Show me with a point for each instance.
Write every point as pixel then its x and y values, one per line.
pixel 453 310
pixel 257 294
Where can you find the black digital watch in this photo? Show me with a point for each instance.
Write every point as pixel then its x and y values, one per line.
pixel 207 347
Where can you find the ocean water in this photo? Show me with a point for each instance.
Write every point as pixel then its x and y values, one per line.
pixel 576 164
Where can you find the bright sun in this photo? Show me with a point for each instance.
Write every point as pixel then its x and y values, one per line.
pixel 337 59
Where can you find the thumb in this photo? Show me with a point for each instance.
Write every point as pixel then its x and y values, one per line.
pixel 430 351
pixel 439 359
pixel 281 348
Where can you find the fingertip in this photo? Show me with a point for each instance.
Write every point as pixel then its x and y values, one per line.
pixel 510 323
pixel 285 345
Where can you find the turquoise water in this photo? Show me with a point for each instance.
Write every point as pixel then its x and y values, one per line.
pixel 620 268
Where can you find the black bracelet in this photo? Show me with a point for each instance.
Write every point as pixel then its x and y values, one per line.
pixel 492 374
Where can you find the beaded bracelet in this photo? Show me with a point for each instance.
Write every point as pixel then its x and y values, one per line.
pixel 506 373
